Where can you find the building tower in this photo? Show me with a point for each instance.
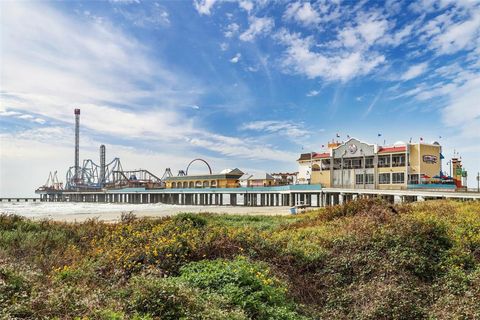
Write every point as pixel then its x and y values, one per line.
pixel 101 178
pixel 77 144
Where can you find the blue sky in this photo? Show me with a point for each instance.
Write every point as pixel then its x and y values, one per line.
pixel 239 83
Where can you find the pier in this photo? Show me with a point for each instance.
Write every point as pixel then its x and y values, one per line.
pixel 289 195
pixel 16 199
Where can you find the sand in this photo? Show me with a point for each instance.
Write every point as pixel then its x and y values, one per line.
pixel 165 211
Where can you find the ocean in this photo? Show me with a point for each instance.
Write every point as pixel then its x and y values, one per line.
pixel 46 209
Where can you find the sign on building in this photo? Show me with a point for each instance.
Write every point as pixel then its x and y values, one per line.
pixel 430 159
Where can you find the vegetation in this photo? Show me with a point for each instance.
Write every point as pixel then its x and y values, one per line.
pixel 363 260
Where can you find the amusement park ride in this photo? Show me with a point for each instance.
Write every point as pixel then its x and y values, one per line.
pixel 91 176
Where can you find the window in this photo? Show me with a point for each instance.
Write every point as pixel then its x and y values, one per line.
pixel 356 163
pixel 398 160
pixel 326 164
pixel 347 163
pixel 398 177
pixel 359 179
pixel 413 179
pixel 369 178
pixel 384 178
pixel 369 162
pixel 337 164
pixel 384 161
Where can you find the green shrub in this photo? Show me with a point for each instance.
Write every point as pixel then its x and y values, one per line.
pixel 243 283
pixel 190 219
pixel 15 292
pixel 172 299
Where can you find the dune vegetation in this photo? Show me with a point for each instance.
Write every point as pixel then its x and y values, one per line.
pixel 363 260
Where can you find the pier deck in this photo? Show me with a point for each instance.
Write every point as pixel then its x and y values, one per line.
pixel 291 195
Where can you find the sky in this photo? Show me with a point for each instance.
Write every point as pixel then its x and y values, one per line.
pixel 247 84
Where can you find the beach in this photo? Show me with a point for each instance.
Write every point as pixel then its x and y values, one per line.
pixel 78 212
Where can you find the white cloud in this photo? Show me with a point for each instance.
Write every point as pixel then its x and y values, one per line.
pixel 80 63
pixel 458 36
pixel 224 46
pixel 299 58
pixel 153 17
pixel 232 29
pixel 303 13
pixel 313 93
pixel 285 128
pixel 258 26
pixel 204 6
pixel 368 30
pixel 246 5
pixel 414 71
pixel 463 109
pixel 22 116
pixel 373 103
pixel 52 63
pixel 236 58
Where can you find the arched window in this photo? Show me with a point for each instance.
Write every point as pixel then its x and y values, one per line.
pixel 191 184
pixel 185 184
pixel 205 184
pixel 174 185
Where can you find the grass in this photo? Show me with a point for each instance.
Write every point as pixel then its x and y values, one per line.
pixel 363 260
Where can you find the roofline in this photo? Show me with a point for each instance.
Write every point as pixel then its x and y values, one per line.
pixel 353 138
pixel 205 177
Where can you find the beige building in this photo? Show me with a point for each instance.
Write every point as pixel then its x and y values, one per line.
pixel 356 164
pixel 225 179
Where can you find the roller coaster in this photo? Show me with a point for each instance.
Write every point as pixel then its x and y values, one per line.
pixel 91 176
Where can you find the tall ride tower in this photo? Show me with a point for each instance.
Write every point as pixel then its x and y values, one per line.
pixel 77 144
pixel 101 178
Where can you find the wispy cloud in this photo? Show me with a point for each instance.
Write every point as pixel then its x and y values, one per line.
pixel 257 27
pixel 414 71
pixel 300 58
pixel 373 103
pixel 231 30
pixel 285 128
pixel 204 6
pixel 303 13
pixel 154 16
pixel 85 64
pixel 313 93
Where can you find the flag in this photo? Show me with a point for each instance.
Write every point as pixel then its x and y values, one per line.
pixel 410 140
pixel 338 136
pixel 348 137
pixel 421 139
pixel 439 137
pixel 323 146
pixel 379 134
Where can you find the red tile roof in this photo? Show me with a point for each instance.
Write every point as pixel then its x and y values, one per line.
pixel 313 155
pixel 321 155
pixel 392 149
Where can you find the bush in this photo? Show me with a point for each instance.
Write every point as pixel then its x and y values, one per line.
pixel 244 284
pixel 15 291
pixel 172 299
pixel 363 260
